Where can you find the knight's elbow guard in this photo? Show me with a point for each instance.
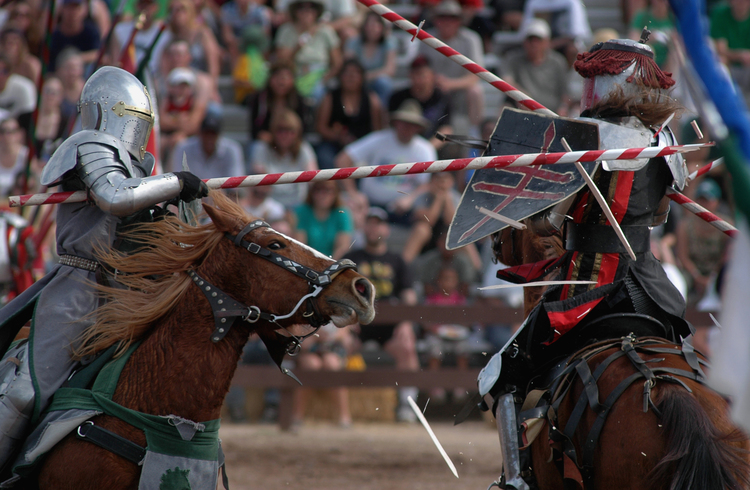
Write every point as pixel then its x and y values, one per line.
pixel 135 194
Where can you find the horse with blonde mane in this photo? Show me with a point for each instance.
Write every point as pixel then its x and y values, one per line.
pixel 626 413
pixel 190 296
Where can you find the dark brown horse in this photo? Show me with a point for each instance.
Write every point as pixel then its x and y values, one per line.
pixel 669 432
pixel 179 367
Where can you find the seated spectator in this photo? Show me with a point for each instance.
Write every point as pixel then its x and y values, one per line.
pixel 393 283
pixel 13 153
pixel 359 206
pixel 443 339
pixel 433 212
pixel 250 71
pixel 20 16
pixel 145 37
pixel 279 94
pixel 70 72
pixel 323 222
pixel 182 111
pixel 508 14
pixel 13 43
pixel 465 260
pixel 700 248
pixel 399 144
pixel 538 71
pixel 17 93
pixel 328 351
pixel 238 15
pixel 475 17
pixel 258 202
pixel 51 125
pixel 210 155
pixel 730 27
pixel 568 23
pixel 657 17
pixel 313 46
pixel 341 15
pixel 462 86
pixel 375 49
pixel 346 113
pixel 177 55
pixel 184 24
pixel 435 104
pixel 75 29
pixel 287 152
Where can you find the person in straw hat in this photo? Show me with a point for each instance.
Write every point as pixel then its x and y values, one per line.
pixel 398 144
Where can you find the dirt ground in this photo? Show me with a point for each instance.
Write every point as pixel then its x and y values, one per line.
pixel 365 456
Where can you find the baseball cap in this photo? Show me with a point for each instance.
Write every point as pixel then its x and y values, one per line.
pixel 376 212
pixel 212 121
pixel 448 8
pixel 181 75
pixel 536 28
pixel 709 189
pixel 420 61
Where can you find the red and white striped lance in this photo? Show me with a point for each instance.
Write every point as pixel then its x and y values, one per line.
pixel 454 55
pixel 706 168
pixel 501 161
pixel 701 212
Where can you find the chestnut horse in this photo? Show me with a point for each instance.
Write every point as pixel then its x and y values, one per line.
pixel 180 367
pixel 667 432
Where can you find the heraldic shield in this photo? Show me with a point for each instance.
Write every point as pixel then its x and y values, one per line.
pixel 520 192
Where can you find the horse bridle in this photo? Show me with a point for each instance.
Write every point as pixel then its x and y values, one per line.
pixel 227 310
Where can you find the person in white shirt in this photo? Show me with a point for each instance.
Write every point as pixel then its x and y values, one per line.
pixel 399 144
pixel 210 155
pixel 464 88
pixel 17 93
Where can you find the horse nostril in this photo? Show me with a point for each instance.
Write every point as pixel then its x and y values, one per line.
pixel 362 286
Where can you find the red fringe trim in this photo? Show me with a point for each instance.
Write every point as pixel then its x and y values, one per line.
pixel 612 62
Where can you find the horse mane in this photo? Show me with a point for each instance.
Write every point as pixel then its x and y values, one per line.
pixel 150 281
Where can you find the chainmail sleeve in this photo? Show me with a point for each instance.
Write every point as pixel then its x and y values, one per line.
pixel 107 179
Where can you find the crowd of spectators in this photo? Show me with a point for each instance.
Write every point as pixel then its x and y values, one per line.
pixel 327 83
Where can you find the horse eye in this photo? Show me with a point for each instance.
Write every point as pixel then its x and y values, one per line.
pixel 276 246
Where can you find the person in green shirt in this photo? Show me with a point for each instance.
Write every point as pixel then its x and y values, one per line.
pixel 730 27
pixel 658 19
pixel 323 222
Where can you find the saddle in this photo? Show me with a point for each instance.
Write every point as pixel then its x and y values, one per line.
pixel 171 440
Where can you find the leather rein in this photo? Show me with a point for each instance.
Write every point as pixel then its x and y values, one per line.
pixel 227 310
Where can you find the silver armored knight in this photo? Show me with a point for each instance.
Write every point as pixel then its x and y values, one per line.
pixel 107 159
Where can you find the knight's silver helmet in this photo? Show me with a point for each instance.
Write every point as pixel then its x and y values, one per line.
pixel 619 65
pixel 115 102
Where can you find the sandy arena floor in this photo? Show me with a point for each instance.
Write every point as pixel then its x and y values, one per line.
pixel 366 456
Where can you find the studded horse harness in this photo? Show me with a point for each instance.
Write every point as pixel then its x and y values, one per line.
pixel 650 371
pixel 226 310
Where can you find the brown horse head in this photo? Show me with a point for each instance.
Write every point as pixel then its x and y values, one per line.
pixel 286 289
pixel 348 299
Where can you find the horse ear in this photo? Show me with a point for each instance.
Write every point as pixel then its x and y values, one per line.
pixel 224 221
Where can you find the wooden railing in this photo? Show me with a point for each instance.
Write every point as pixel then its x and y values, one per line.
pixel 256 376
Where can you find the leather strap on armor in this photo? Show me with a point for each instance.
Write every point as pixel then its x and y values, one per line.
pixel 588 238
